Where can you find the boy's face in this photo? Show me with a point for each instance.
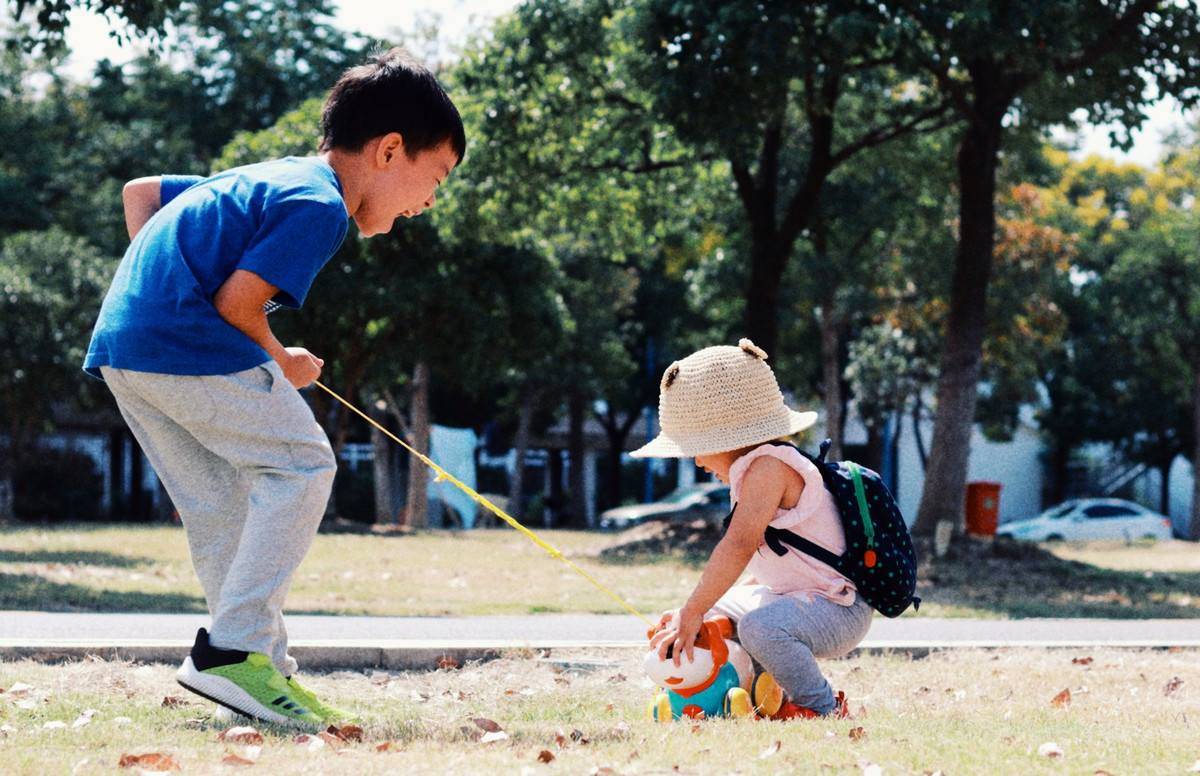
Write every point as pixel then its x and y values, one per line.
pixel 400 185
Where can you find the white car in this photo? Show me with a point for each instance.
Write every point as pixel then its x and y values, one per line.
pixel 1088 519
pixel 709 500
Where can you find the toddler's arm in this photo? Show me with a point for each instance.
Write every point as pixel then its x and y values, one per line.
pixel 142 199
pixel 762 492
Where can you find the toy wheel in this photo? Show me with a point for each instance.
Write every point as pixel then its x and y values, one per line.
pixel 659 708
pixel 737 703
pixel 767 695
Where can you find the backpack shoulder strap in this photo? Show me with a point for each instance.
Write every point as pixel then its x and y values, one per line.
pixel 777 538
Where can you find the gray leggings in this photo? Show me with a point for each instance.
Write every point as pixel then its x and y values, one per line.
pixel 785 634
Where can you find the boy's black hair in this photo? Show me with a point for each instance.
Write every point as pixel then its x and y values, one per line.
pixel 392 92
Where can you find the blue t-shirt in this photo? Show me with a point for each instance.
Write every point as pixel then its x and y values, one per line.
pixel 281 220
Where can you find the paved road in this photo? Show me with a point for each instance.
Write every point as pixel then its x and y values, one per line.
pixel 575 629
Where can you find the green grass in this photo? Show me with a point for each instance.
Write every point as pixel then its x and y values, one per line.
pixel 962 712
pixel 112 568
pixel 146 568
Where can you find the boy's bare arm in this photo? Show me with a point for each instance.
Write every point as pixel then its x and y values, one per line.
pixel 240 301
pixel 142 198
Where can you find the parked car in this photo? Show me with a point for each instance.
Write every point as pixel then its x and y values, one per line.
pixel 708 500
pixel 1086 519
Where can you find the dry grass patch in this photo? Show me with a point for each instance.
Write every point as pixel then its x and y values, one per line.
pixel 958 712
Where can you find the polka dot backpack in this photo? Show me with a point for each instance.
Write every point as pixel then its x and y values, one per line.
pixel 879 557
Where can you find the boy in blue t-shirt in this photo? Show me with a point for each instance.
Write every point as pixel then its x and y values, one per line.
pixel 183 343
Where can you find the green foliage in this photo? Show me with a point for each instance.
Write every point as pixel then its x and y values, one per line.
pixel 51 283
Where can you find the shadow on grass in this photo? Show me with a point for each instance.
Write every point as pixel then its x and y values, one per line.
pixel 86 557
pixel 29 592
pixel 1019 579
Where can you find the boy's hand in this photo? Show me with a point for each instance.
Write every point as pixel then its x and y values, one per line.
pixel 678 630
pixel 300 367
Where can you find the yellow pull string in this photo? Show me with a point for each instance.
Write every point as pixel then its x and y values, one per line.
pixel 443 475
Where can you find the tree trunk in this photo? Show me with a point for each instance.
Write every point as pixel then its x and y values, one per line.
pixel 1060 458
pixel 1164 489
pixel 417 510
pixel 384 470
pixel 576 412
pixel 762 295
pixel 1193 531
pixel 516 486
pixel 918 437
pixel 832 376
pixel 946 474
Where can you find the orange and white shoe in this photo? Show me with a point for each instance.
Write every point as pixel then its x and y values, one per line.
pixel 771 702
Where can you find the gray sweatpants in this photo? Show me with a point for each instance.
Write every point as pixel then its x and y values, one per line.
pixel 785 634
pixel 250 471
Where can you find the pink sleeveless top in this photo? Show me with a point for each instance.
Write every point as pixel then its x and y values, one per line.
pixel 815 517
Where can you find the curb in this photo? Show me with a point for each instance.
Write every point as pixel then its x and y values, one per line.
pixel 419 655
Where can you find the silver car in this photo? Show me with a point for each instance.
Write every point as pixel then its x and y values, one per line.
pixel 1088 519
pixel 708 500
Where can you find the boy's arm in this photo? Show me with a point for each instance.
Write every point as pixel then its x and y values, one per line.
pixel 240 301
pixel 142 199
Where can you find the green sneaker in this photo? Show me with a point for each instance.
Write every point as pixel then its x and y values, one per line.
pixel 328 714
pixel 247 683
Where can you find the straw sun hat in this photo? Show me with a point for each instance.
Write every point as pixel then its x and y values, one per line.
pixel 718 399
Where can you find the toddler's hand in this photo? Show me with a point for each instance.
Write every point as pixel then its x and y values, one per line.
pixel 677 633
pixel 300 367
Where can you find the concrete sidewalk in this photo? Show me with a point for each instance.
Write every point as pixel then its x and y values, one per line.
pixel 322 642
pixel 419 642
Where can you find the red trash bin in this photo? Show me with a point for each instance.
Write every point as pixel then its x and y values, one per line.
pixel 983 508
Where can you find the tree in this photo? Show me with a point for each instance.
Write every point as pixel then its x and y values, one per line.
pixel 1027 63
pixel 51 284
pixel 786 93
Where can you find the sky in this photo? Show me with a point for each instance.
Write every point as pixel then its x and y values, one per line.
pixel 89 40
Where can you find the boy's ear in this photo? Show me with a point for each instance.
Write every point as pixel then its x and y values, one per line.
pixel 388 149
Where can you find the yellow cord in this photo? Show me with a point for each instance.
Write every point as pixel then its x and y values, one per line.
pixel 447 476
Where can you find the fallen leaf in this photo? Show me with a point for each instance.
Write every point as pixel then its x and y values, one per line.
pixel 1172 686
pixel 492 737
pixel 7 729
pixel 487 725
pixel 84 718
pixel 171 701
pixel 562 680
pixel 19 689
pixel 1101 772
pixel 346 732
pixel 419 697
pixel 1051 750
pixel 331 740
pixel 312 743
pixel 243 734
pixel 1062 700
pixel 54 724
pixel 601 770
pixel 151 761
pixel 771 750
pixel 1081 661
pixel 545 756
pixel 617 677
pixel 234 759
pixel 578 737
pixel 621 729
pixel 857 734
pixel 560 738
pixel 871 769
pixel 447 663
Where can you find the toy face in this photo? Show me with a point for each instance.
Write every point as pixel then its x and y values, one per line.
pixel 666 674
